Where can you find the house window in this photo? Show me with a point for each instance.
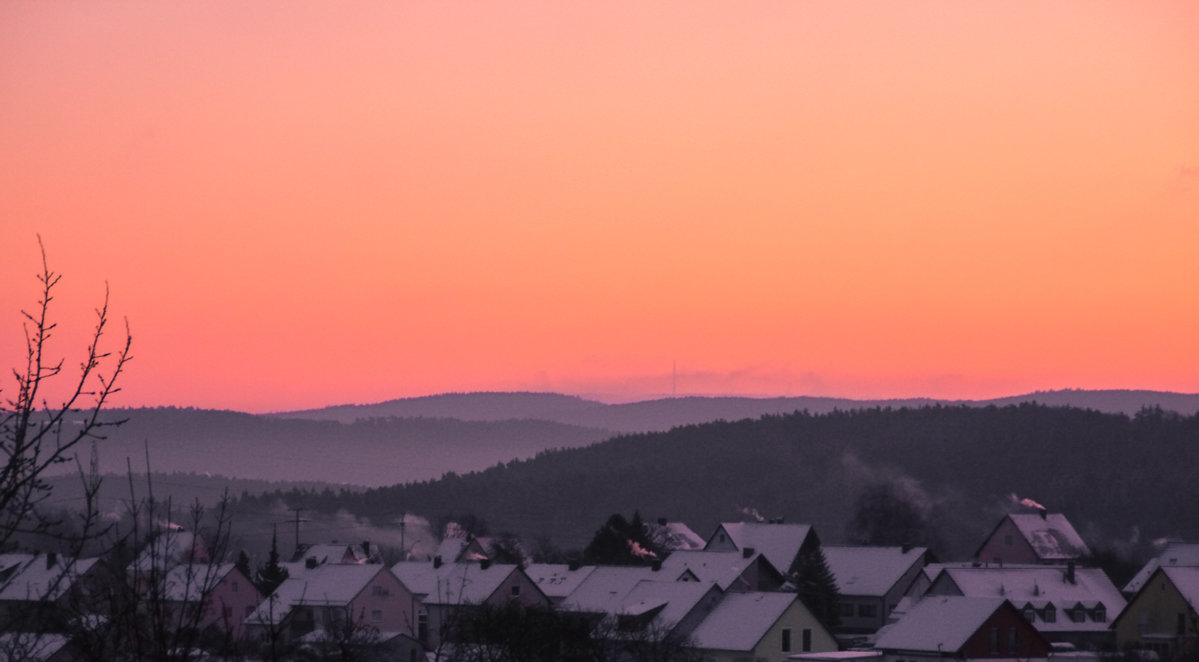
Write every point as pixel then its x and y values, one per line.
pixel 379 591
pixel 1030 614
pixel 1012 641
pixel 516 591
pixel 806 643
pixel 377 615
pixel 867 611
pixel 786 640
pixel 994 639
pixel 1099 614
pixel 1049 614
pixel 1182 624
pixel 422 626
pixel 234 587
pixel 846 609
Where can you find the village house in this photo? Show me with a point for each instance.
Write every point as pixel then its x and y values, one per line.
pixel 1174 554
pixel 746 570
pixel 674 536
pixel 1065 604
pixel 760 626
pixel 44 591
pixel 336 552
pixel 781 544
pixel 447 593
pixel 558 580
pixel 206 595
pixel 961 628
pixel 1032 538
pixel 1162 616
pixel 335 596
pixel 872 581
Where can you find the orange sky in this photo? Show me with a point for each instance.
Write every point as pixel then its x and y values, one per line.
pixel 299 203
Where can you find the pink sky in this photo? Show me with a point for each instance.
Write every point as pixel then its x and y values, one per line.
pixel 298 203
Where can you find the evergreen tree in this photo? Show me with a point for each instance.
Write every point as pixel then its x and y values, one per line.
pixel 243 564
pixel 271 575
pixel 817 588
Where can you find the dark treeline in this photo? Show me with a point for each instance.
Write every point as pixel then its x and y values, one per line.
pixel 1122 480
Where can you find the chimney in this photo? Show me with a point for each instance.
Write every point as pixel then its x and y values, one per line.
pixel 656 565
pixel 573 565
pixel 310 562
pixel 905 548
pixel 747 552
pixel 366 547
pixel 51 559
pixel 1043 513
pixel 484 564
pixel 1070 571
pixel 436 561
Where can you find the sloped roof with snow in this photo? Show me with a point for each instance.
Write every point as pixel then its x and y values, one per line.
pixel 606 587
pixel 938 623
pixel 1051 536
pixel 721 567
pixel 453 583
pixel 676 599
pixel 1186 580
pixel 674 536
pixel 1178 554
pixel 871 571
pixel 779 543
pixel 34 577
pixel 191 582
pixel 740 620
pixel 1042 585
pixel 557 580
pixel 326 585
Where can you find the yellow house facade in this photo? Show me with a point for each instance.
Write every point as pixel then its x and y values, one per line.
pixel 1161 617
pixel 760 627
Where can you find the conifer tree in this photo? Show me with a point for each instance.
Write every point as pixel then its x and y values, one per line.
pixel 817 587
pixel 271 575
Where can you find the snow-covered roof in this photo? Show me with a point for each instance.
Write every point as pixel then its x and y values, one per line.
pixel 39 576
pixel 330 584
pixel 1051 535
pixel 870 571
pixel 1179 554
pixel 674 536
pixel 1186 580
pixel 557 580
pixel 938 623
pixel 168 548
pixel 1042 585
pixel 192 581
pixel 778 542
pixel 606 587
pixel 740 620
pixel 335 552
pixel 721 567
pixel 675 599
pixel 453 583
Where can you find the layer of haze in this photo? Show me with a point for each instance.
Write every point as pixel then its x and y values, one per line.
pixel 302 203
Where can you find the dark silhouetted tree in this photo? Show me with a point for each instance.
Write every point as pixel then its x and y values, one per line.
pixel 817 587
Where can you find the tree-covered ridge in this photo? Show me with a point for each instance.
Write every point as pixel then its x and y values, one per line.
pixel 1115 476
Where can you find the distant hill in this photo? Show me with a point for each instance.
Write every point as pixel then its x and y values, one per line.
pixel 663 414
pixel 1122 480
pixel 376 451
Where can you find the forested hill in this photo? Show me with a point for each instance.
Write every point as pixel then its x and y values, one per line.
pixel 665 413
pixel 1116 477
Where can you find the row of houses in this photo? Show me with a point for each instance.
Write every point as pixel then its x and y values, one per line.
pixel 728 597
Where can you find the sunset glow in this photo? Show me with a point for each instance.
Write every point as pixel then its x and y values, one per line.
pixel 298 203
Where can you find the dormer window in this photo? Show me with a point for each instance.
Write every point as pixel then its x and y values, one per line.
pixel 1049 614
pixel 1099 614
pixel 1030 614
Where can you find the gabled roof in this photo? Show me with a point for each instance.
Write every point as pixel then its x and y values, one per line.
pixel 336 553
pixel 326 585
pixel 674 600
pixel 938 623
pixel 1050 535
pixel 779 543
pixel 604 589
pixel 1042 585
pixel 191 582
pixel 721 567
pixel 674 536
pixel 557 580
pixel 1174 554
pixel 39 577
pixel 740 620
pixel 1186 580
pixel 453 583
pixel 168 548
pixel 871 571
pixel 454 550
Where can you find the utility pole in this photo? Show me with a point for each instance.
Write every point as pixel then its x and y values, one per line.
pixel 297 522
